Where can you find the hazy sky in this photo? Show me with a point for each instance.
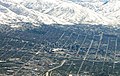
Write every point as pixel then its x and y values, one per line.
pixel 105 0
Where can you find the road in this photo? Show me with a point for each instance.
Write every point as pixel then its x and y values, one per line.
pixel 47 73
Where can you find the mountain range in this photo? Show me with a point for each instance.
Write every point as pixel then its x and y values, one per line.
pixel 14 12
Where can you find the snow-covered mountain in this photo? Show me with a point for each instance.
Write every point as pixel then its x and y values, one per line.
pixel 50 12
pixel 12 12
pixel 108 8
pixel 75 13
pixel 111 9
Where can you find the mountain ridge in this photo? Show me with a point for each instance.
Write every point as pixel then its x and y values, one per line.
pixel 50 12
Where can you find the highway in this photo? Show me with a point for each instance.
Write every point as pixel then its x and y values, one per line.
pixel 47 73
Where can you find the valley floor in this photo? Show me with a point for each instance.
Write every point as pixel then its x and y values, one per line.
pixel 76 50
